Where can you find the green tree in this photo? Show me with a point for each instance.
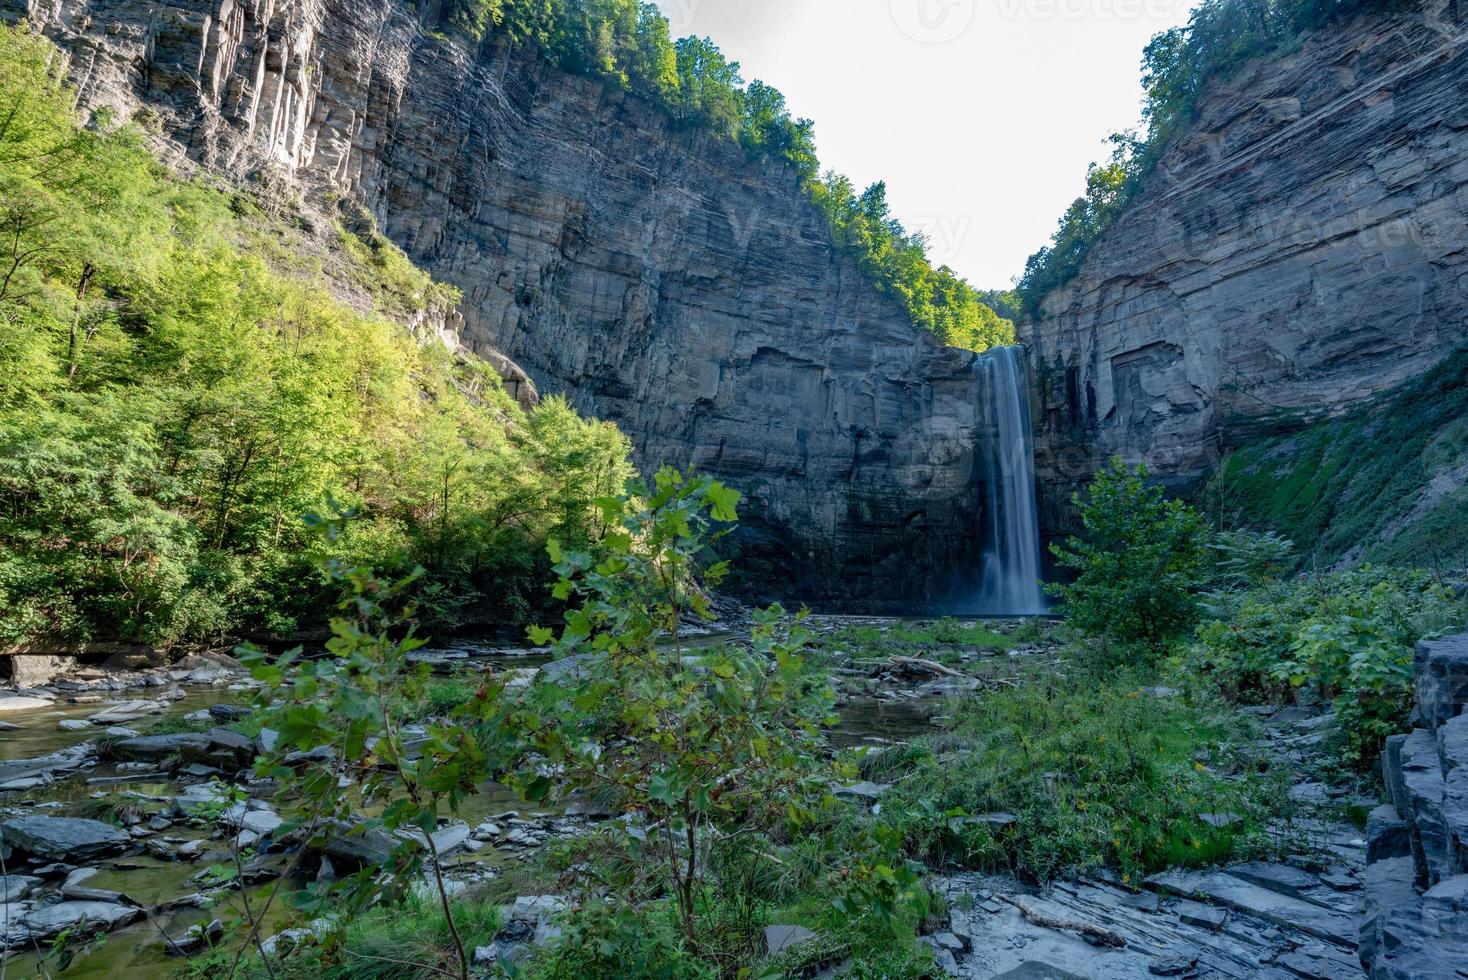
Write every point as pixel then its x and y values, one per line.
pixel 695 747
pixel 1139 565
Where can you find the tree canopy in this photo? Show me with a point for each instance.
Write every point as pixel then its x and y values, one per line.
pixel 178 386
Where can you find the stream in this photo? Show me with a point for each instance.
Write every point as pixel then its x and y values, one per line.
pixel 163 872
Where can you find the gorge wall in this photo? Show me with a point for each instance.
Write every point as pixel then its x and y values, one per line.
pixel 1301 248
pixel 653 275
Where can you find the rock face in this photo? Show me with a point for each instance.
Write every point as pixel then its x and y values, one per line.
pixel 653 275
pixel 1304 246
pixel 1417 880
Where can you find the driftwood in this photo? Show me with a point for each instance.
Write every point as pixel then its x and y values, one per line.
pixel 1100 934
pixel 931 666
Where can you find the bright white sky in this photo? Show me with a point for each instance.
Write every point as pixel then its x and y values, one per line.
pixel 981 115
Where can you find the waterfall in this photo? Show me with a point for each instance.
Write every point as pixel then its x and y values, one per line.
pixel 1010 582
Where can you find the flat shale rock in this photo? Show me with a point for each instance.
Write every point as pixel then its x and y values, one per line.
pixel 63 838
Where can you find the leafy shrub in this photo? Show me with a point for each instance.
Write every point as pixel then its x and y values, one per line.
pixel 1140 564
pixel 1096 769
pixel 1349 636
pixel 702 744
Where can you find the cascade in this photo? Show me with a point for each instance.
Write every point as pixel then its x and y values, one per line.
pixel 1010 578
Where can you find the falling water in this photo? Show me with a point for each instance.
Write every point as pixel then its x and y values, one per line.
pixel 1010 582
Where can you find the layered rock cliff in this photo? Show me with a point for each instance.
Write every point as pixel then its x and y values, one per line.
pixel 1302 247
pixel 653 275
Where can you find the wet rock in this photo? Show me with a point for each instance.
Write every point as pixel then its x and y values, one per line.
pixel 50 767
pixel 356 847
pixel 226 713
pixel 192 849
pixel 15 887
pixel 15 702
pixel 779 938
pixel 73 725
pixel 865 790
pixel 216 747
pixel 63 838
pixel 195 939
pixel 127 711
pixel 81 893
pixel 53 920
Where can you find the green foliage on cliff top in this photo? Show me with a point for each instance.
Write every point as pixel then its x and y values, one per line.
pixel 170 403
pixel 1386 483
pixel 629 43
pixel 1177 64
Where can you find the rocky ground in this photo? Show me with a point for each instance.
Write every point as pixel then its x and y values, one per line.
pixel 183 806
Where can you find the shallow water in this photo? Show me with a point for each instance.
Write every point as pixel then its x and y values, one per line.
pixel 39 734
pixel 137 950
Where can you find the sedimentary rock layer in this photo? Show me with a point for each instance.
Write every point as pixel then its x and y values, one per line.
pixel 653 275
pixel 1303 247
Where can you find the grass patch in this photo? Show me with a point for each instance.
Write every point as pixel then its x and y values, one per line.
pixel 1097 772
pixel 942 640
pixel 406 941
pixel 1343 483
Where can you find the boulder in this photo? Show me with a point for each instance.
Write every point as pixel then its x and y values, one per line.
pixel 1387 834
pixel 194 939
pixel 260 822
pixel 226 713
pixel 14 887
pixel 1441 670
pixel 355 847
pixel 217 747
pixel 866 791
pixel 780 938
pixel 63 838
pixel 52 920
pixel 15 702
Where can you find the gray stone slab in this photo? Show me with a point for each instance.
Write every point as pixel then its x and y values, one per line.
pixel 1280 878
pixel 1282 910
